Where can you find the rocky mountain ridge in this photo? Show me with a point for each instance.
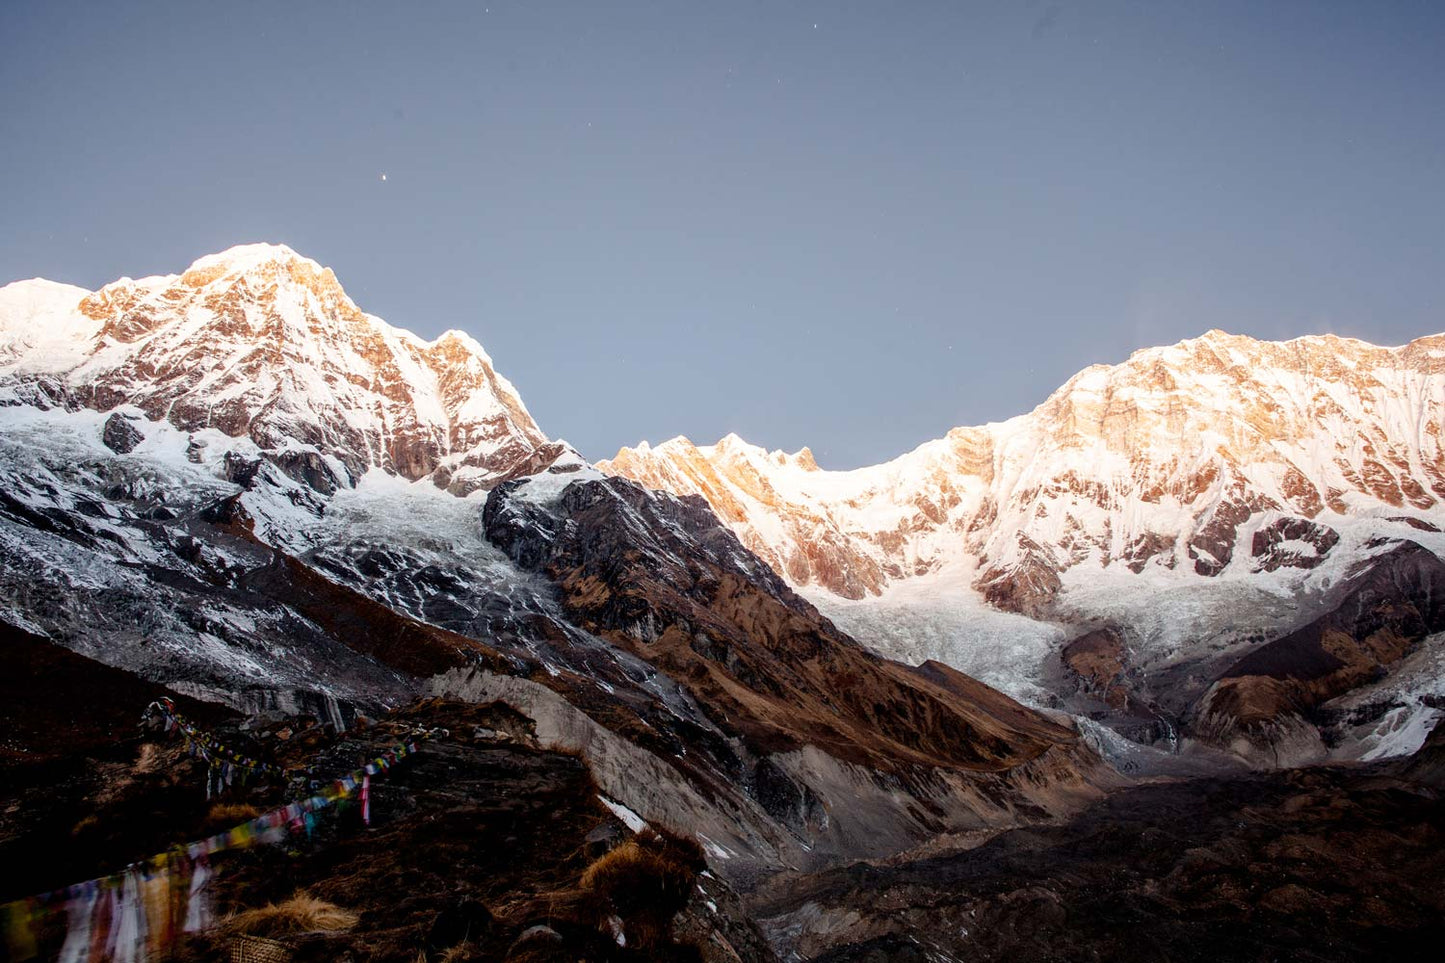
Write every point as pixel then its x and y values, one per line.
pixel 1263 471
pixel 1194 457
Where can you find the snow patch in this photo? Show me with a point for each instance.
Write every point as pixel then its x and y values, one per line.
pixel 629 818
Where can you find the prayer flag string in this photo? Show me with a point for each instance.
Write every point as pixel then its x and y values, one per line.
pixel 135 915
pixel 224 765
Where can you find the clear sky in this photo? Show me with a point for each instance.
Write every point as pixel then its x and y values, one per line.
pixel 850 225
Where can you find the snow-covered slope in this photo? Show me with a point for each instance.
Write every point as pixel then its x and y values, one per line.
pixel 260 342
pixel 1189 457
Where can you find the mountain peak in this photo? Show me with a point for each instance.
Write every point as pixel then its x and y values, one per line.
pixel 261 266
pixel 804 459
pixel 732 440
pixel 244 257
pixel 260 342
pixel 464 341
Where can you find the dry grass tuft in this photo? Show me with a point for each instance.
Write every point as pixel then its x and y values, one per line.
pixel 467 952
pixel 462 953
pixel 87 824
pixel 150 758
pixel 572 752
pixel 645 881
pixel 302 913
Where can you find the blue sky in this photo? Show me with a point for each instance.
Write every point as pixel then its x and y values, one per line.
pixel 850 225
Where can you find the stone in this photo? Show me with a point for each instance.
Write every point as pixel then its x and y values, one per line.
pixel 119 435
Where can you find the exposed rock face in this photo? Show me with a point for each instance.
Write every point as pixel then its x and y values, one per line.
pixel 1258 707
pixel 1164 460
pixel 1099 662
pixel 1292 542
pixel 1419 524
pixel 260 343
pixel 1212 547
pixel 1025 586
pixel 661 577
pixel 119 435
pixel 814 726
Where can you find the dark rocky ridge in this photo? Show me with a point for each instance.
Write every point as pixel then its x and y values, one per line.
pixel 662 580
pixel 1266 699
pixel 1268 546
pixel 120 436
pixel 1261 705
pixel 662 577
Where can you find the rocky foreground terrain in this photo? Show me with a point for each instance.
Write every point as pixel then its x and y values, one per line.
pixel 1326 863
pixel 234 488
pixel 480 848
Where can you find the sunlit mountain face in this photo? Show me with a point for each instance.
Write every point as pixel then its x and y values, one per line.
pixel 259 342
pixel 1170 461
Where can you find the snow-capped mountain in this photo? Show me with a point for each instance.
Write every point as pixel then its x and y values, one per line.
pixel 1196 500
pixel 1192 456
pixel 261 343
